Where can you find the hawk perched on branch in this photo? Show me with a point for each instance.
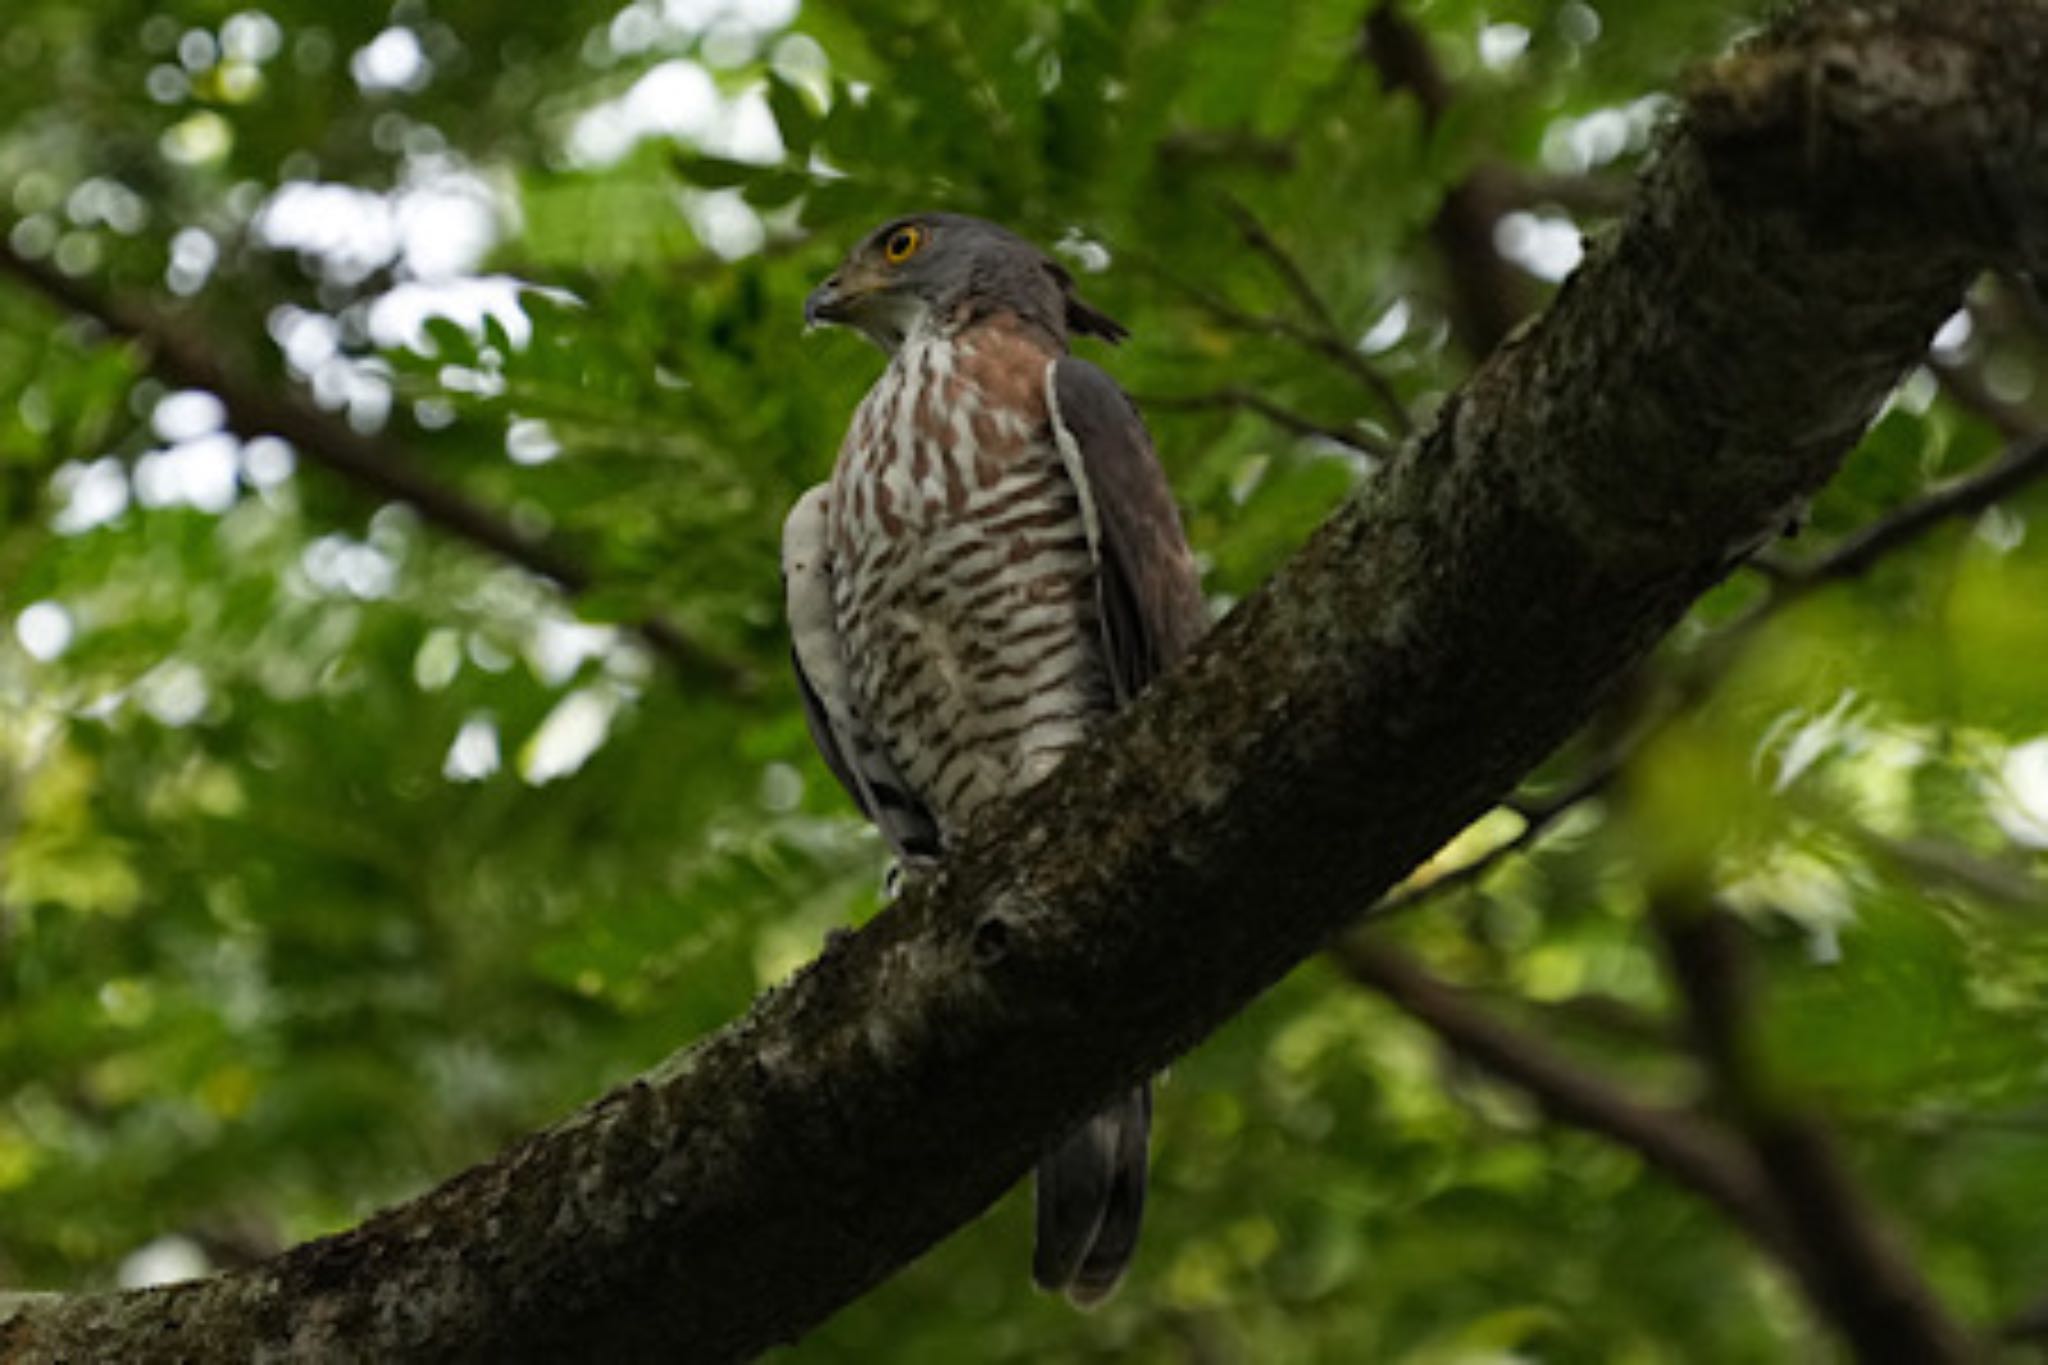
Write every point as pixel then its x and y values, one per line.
pixel 995 565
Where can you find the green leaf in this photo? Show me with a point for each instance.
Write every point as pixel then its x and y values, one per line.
pixel 715 172
pixel 794 118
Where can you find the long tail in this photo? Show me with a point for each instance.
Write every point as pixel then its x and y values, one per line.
pixel 1091 1200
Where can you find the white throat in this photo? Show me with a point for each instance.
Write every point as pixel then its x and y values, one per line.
pixel 902 319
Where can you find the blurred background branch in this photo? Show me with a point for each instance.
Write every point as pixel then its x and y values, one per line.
pixel 372 462
pixel 1488 296
pixel 1855 1271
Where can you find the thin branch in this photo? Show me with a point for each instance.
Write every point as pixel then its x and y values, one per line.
pixel 1330 346
pixel 2027 297
pixel 1965 384
pixel 1230 315
pixel 1688 1148
pixel 1860 1278
pixel 1286 418
pixel 1311 301
pixel 1855 554
pixel 1938 862
pixel 1610 1015
pixel 184 359
pixel 1489 297
pixel 1208 146
pixel 2029 1324
pixel 1845 1266
pixel 1537 817
pixel 1588 195
pixel 1852 556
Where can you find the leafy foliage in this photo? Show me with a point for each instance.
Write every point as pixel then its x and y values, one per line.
pixel 338 852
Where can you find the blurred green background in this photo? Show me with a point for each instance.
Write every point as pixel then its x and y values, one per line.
pixel 336 850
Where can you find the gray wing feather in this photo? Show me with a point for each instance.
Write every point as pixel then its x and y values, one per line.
pixel 1091 1184
pixel 1150 593
pixel 849 749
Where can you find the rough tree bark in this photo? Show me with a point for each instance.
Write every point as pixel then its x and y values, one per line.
pixel 1829 192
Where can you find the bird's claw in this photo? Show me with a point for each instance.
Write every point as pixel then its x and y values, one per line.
pixel 911 867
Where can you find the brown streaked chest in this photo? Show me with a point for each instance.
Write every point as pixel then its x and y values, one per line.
pixel 963 582
pixel 950 421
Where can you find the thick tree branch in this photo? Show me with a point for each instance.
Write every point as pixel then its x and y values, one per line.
pixel 370 462
pixel 1707 367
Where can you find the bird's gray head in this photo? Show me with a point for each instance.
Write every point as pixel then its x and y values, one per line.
pixel 935 269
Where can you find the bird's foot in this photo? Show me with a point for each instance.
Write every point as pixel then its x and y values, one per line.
pixel 907 870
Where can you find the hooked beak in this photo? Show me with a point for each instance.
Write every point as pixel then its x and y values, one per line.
pixel 827 304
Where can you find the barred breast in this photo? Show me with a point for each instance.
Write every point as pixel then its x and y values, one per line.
pixel 963 583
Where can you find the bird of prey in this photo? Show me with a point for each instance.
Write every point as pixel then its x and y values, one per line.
pixel 995 566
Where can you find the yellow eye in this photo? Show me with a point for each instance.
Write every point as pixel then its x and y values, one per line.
pixel 902 245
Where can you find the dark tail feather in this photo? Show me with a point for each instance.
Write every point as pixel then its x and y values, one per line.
pixel 1091 1200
